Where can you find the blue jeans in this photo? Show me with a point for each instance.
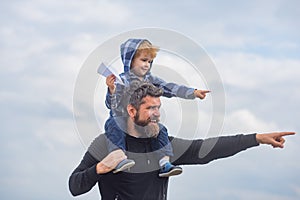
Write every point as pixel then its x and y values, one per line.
pixel 161 144
pixel 115 133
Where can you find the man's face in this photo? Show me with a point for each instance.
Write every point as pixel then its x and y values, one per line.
pixel 147 117
pixel 141 64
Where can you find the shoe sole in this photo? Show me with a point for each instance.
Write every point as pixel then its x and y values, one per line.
pixel 124 167
pixel 173 172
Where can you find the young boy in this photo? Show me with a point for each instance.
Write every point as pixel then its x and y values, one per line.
pixel 137 56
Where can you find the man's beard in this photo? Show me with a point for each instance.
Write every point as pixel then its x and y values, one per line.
pixel 146 127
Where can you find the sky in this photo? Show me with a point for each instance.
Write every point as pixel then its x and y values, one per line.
pixel 255 48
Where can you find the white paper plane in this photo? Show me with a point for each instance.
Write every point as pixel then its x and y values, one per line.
pixel 106 71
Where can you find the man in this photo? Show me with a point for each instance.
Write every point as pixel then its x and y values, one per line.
pixel 142 181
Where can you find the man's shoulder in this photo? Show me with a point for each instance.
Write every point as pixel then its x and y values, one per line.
pixel 98 147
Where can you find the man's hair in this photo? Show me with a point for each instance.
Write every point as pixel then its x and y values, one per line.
pixel 140 91
pixel 148 48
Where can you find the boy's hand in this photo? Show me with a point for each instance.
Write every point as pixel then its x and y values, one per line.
pixel 201 94
pixel 110 82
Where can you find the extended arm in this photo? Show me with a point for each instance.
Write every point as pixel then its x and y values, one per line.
pixel 173 89
pixel 204 151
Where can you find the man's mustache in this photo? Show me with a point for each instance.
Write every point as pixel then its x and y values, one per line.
pixel 153 119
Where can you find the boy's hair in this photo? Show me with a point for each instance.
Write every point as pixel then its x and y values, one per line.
pixel 147 47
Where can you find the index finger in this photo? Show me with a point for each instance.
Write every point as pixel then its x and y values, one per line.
pixel 206 91
pixel 286 133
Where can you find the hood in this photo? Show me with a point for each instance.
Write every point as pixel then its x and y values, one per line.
pixel 128 50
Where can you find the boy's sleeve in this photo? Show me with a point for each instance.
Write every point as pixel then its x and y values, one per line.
pixel 108 99
pixel 112 100
pixel 173 89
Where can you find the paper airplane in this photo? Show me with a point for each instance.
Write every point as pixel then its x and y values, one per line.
pixel 106 71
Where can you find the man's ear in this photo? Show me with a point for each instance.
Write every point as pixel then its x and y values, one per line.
pixel 131 111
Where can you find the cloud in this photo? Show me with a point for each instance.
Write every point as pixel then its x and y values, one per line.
pixel 244 121
pixel 296 189
pixel 104 12
pixel 270 27
pixel 252 71
pixel 57 131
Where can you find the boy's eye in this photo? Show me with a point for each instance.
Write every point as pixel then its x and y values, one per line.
pixel 146 60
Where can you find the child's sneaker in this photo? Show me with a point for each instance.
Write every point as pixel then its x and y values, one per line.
pixel 169 170
pixel 123 165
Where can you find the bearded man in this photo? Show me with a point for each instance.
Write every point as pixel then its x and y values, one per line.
pixel 142 182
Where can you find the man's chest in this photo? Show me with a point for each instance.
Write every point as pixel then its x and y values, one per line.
pixel 141 152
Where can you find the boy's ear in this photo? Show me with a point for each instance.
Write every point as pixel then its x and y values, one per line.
pixel 131 111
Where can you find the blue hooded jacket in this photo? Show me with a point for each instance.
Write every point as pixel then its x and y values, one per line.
pixel 128 50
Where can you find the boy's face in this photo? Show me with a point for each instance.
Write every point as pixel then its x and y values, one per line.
pixel 140 65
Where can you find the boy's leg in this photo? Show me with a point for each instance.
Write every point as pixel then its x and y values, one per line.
pixel 164 150
pixel 114 135
pixel 162 143
pixel 116 140
pixel 167 169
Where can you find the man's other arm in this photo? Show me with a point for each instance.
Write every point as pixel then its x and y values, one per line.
pixel 85 176
pixel 93 166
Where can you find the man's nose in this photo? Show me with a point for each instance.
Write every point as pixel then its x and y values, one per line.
pixel 156 112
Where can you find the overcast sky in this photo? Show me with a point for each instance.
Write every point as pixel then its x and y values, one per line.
pixel 255 46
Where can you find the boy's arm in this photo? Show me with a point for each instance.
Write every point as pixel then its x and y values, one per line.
pixel 111 90
pixel 108 99
pixel 112 99
pixel 173 89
